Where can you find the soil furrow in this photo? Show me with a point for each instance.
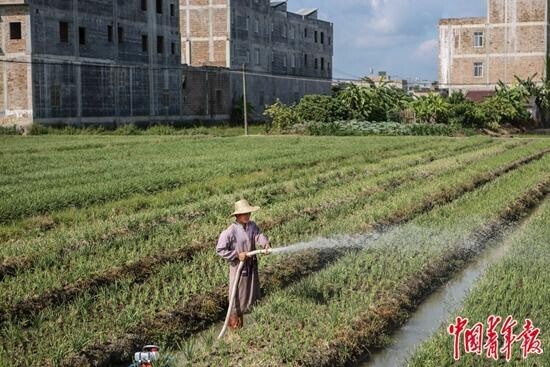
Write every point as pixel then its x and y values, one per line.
pixel 392 310
pixel 11 266
pixel 143 268
pixel 188 320
pixel 199 313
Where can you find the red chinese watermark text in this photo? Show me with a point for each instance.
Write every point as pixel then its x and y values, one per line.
pixel 479 338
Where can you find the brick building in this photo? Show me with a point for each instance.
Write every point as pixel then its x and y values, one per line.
pixel 511 40
pixel 74 60
pixel 286 55
pixel 105 61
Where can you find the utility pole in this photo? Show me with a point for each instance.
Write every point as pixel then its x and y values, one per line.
pixel 245 109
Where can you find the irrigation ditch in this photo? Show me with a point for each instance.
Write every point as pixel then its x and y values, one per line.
pixel 439 306
pixel 391 312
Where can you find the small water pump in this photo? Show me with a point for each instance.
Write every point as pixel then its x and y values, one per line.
pixel 145 358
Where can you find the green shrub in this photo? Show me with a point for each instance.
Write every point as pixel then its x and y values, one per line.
pixel 432 108
pixel 320 108
pixel 37 129
pixel 467 114
pixel 9 130
pixel 237 113
pixel 372 102
pixel 508 105
pixel 281 116
pixel 357 101
pixel 127 129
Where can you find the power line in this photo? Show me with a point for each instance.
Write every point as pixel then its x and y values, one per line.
pixel 347 74
pixel 161 68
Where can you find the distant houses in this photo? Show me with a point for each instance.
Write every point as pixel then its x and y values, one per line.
pixel 511 40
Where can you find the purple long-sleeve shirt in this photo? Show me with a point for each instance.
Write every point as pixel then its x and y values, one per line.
pixel 235 239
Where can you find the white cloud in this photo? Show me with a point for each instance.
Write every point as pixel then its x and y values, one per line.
pixel 427 48
pixel 395 35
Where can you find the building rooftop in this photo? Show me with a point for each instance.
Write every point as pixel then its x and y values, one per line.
pixel 463 21
pixel 308 12
pixel 479 95
pixel 277 3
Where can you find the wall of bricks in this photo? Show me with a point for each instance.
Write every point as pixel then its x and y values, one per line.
pixel 204 32
pixel 15 101
pixel 515 43
pixel 114 61
pixel 509 11
pixel 105 74
pixel 266 40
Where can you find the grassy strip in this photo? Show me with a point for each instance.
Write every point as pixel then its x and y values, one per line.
pixel 347 308
pixel 372 327
pixel 198 313
pixel 214 185
pixel 46 252
pixel 198 308
pixel 145 266
pixel 156 175
pixel 124 295
pixel 138 227
pixel 170 172
pixel 176 206
pixel 518 285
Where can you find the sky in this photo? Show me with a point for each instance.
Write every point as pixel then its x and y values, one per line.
pixel 397 36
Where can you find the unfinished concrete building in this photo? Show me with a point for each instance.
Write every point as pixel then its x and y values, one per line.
pixel 286 55
pixel 119 61
pixel 100 61
pixel 511 40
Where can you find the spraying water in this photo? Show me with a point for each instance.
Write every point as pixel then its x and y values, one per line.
pixel 437 308
pixel 336 242
pixel 384 236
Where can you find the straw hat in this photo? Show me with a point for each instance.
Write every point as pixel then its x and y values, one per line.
pixel 243 207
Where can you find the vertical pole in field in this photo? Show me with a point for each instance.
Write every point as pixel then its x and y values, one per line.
pixel 245 109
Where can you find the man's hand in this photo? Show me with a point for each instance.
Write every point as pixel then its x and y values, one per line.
pixel 266 249
pixel 243 256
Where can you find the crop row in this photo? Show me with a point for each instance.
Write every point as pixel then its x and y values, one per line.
pixel 59 244
pixel 518 285
pixel 235 176
pixel 346 309
pixel 121 215
pixel 109 257
pixel 132 228
pixel 170 172
pixel 120 306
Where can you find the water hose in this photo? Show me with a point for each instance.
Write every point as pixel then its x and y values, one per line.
pixel 234 289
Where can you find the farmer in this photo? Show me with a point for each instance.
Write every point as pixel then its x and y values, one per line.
pixel 234 243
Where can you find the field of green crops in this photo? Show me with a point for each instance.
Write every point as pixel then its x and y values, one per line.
pixel 107 242
pixel 519 286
